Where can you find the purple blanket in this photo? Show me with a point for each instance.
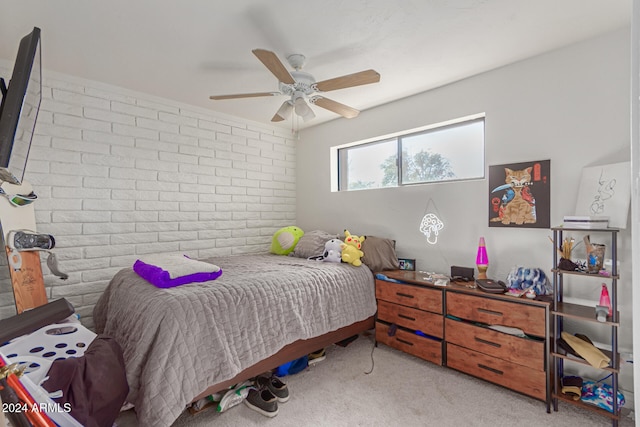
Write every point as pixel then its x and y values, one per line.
pixel 162 279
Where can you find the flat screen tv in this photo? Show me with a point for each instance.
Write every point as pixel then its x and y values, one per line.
pixel 19 109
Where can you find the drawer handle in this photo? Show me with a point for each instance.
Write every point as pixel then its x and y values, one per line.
pixel 402 316
pixel 400 294
pixel 495 371
pixel 404 341
pixel 484 310
pixel 481 341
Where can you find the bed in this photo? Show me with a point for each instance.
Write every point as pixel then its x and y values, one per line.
pixel 183 343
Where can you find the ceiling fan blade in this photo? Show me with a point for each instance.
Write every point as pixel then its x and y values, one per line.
pixel 271 61
pixel 243 95
pixel 350 80
pixel 336 107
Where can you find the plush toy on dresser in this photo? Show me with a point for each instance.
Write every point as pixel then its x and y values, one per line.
pixel 351 252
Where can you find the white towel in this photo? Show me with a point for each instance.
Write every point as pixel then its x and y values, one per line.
pixel 178 265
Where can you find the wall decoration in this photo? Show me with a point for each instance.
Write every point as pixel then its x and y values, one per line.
pixel 406 264
pixel 606 191
pixel 519 195
pixel 431 224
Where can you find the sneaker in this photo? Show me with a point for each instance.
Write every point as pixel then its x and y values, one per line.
pixel 24 240
pixel 317 356
pixel 234 396
pixel 262 401
pixel 274 385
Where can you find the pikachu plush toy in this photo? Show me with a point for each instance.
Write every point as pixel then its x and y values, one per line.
pixel 351 252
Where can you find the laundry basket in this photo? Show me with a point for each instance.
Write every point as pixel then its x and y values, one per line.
pixel 35 352
pixel 38 350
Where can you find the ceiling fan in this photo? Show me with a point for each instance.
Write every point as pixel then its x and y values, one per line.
pixel 300 87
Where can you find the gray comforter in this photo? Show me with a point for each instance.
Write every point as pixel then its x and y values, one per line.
pixel 181 340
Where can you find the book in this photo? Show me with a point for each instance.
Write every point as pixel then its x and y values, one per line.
pixel 516 292
pixel 585 222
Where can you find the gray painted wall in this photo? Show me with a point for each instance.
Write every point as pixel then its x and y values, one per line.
pixel 571 106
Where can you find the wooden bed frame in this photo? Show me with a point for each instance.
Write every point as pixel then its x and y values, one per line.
pixel 291 352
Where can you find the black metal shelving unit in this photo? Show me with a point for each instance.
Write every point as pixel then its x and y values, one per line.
pixel 561 310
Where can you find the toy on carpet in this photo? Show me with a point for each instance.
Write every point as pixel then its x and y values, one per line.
pixel 285 240
pixel 351 252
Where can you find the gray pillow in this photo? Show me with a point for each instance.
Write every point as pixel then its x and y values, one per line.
pixel 312 244
pixel 379 253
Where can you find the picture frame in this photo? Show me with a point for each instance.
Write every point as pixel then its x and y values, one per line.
pixel 407 264
pixel 605 192
pixel 519 195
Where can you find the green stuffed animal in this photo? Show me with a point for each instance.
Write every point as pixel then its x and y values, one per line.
pixel 285 240
pixel 351 252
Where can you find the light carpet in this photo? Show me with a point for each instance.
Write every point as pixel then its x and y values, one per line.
pixel 401 390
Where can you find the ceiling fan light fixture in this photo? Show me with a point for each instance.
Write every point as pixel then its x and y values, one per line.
pixel 285 110
pixel 301 108
pixel 308 115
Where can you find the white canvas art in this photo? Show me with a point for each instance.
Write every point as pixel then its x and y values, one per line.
pixel 606 191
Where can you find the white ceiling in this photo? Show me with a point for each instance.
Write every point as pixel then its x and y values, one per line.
pixel 190 49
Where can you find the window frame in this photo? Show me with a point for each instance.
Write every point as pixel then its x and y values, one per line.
pixel 340 164
pixel 343 164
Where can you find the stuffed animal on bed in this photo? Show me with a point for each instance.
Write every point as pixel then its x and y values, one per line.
pixel 332 251
pixel 285 240
pixel 351 252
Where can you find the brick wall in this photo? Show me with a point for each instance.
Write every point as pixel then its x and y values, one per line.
pixel 120 174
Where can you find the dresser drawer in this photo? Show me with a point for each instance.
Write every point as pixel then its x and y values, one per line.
pixel 424 348
pixel 411 318
pixel 516 377
pixel 528 318
pixel 518 350
pixel 410 296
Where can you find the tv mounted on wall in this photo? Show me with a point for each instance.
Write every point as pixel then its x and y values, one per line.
pixel 19 108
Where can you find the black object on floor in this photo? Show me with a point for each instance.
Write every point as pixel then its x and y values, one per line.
pixel 34 319
pixel 345 342
pixel 263 402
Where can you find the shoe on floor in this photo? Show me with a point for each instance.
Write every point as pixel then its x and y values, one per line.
pixel 274 385
pixel 233 396
pixel 262 401
pixel 317 356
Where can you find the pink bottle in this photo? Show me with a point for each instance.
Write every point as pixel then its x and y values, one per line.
pixel 604 298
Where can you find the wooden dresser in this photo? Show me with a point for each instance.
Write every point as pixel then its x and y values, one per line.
pixel 417 313
pixel 453 323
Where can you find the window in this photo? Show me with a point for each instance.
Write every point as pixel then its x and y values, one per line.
pixel 445 152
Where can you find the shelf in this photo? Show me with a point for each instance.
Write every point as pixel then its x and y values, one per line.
pixel 588 406
pixel 581 312
pixel 572 358
pixel 586 230
pixel 584 313
pixel 583 274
